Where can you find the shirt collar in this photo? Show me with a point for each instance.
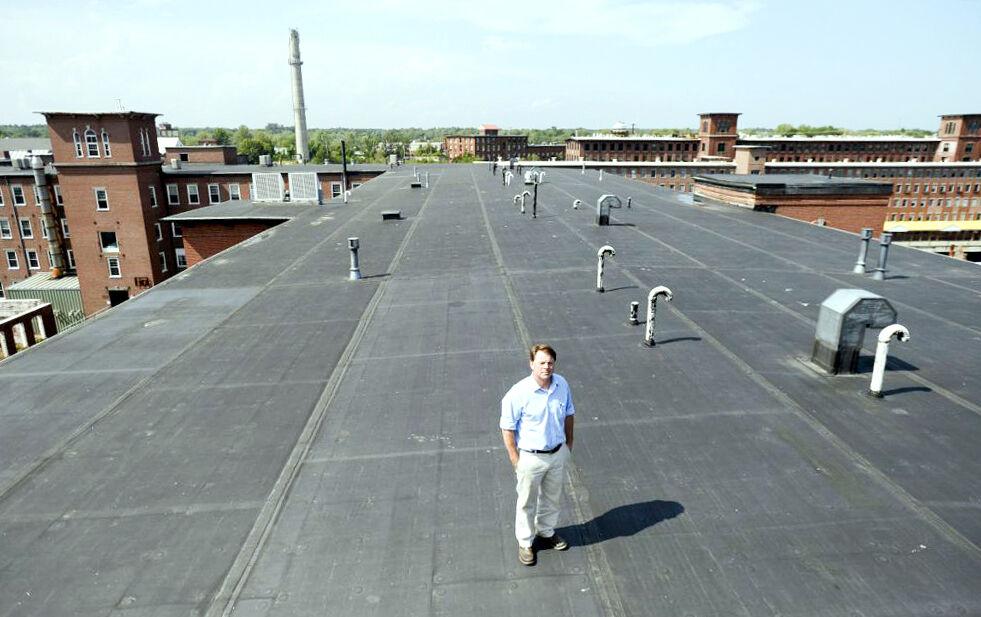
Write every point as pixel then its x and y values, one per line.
pixel 535 387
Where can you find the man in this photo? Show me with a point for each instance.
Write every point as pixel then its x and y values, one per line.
pixel 537 417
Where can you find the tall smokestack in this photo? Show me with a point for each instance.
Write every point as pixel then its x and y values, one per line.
pixel 299 109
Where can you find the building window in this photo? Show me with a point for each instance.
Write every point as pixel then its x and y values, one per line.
pixel 37 195
pixel 58 198
pixel 147 149
pixel 71 258
pixel 5 232
pixel 12 263
pixel 721 148
pixel 234 193
pixel 1 198
pixel 101 199
pixel 163 261
pixel 173 196
pixel 156 227
pixel 44 230
pixel 26 232
pixel 33 263
pixel 153 196
pixel 192 194
pixel 77 139
pixel 214 194
pixel 105 144
pixel 108 242
pixel 92 143
pixel 64 229
pixel 115 271
pixel 175 230
pixel 18 192
pixel 335 189
pixel 181 258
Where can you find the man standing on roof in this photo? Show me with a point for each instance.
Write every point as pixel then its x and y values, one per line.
pixel 537 417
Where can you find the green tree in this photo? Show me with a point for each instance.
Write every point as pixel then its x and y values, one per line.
pixel 222 137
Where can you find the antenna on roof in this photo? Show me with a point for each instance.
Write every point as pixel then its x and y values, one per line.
pixel 119 105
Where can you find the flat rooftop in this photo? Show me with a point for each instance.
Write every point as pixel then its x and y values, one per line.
pixel 261 436
pixel 795 183
pixel 217 169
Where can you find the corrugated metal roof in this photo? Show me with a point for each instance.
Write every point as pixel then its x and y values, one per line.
pixel 25 143
pixel 44 281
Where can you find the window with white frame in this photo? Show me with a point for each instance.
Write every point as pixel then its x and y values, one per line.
pixel 175 230
pixel 181 258
pixel 78 143
pixel 5 232
pixel 26 232
pixel 105 144
pixel 108 242
pixel 1 289
pixel 101 198
pixel 163 261
pixel 33 263
pixel 12 262
pixel 17 191
pixel 192 194
pixel 64 229
pixel 142 143
pixel 214 194
pixel 115 271
pixel 153 196
pixel 37 195
pixel 234 192
pixel 173 195
pixel 44 230
pixel 91 143
pixel 1 198
pixel 149 150
pixel 335 189
pixel 71 258
pixel 156 227
pixel 58 198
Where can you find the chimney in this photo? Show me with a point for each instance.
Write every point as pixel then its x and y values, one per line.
pixel 299 109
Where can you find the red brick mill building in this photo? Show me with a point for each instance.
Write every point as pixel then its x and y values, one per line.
pixel 109 188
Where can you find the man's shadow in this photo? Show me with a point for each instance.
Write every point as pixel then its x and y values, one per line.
pixel 621 521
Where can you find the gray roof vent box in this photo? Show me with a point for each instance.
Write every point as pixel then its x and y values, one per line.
pixel 841 325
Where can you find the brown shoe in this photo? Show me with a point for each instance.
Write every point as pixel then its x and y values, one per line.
pixel 526 556
pixel 554 541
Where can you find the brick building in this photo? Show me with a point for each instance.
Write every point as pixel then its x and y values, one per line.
pixel 487 145
pixel 110 189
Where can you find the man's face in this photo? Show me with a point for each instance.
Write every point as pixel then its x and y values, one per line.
pixel 542 365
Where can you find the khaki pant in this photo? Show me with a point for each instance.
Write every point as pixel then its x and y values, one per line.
pixel 540 478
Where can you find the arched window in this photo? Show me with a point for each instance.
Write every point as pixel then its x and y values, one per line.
pixel 78 143
pixel 105 143
pixel 149 143
pixel 142 143
pixel 92 143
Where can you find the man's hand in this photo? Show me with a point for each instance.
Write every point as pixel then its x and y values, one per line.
pixel 511 445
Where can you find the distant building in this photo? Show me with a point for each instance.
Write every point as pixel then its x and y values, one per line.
pixel 486 145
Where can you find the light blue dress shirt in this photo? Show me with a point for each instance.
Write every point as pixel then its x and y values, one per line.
pixel 536 415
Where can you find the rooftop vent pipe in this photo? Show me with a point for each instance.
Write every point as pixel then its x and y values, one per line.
pixel 632 319
pixel 299 108
pixel 660 290
pixel 863 251
pixel 880 268
pixel 354 244
pixel 881 352
pixel 176 163
pixel 576 203
pixel 601 257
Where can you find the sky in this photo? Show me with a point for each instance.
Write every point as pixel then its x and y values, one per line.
pixel 515 63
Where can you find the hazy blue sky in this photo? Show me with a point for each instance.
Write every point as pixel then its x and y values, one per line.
pixel 527 63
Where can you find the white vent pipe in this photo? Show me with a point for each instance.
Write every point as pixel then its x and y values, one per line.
pixel 601 257
pixel 576 204
pixel 881 352
pixel 660 290
pixel 601 175
pixel 634 307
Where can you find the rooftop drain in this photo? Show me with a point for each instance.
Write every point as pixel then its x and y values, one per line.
pixel 354 244
pixel 652 297
pixel 601 257
pixel 841 325
pixel 603 206
pixel 881 353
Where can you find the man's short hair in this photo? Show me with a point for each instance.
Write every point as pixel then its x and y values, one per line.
pixel 541 347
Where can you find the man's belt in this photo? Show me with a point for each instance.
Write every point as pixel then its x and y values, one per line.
pixel 552 451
